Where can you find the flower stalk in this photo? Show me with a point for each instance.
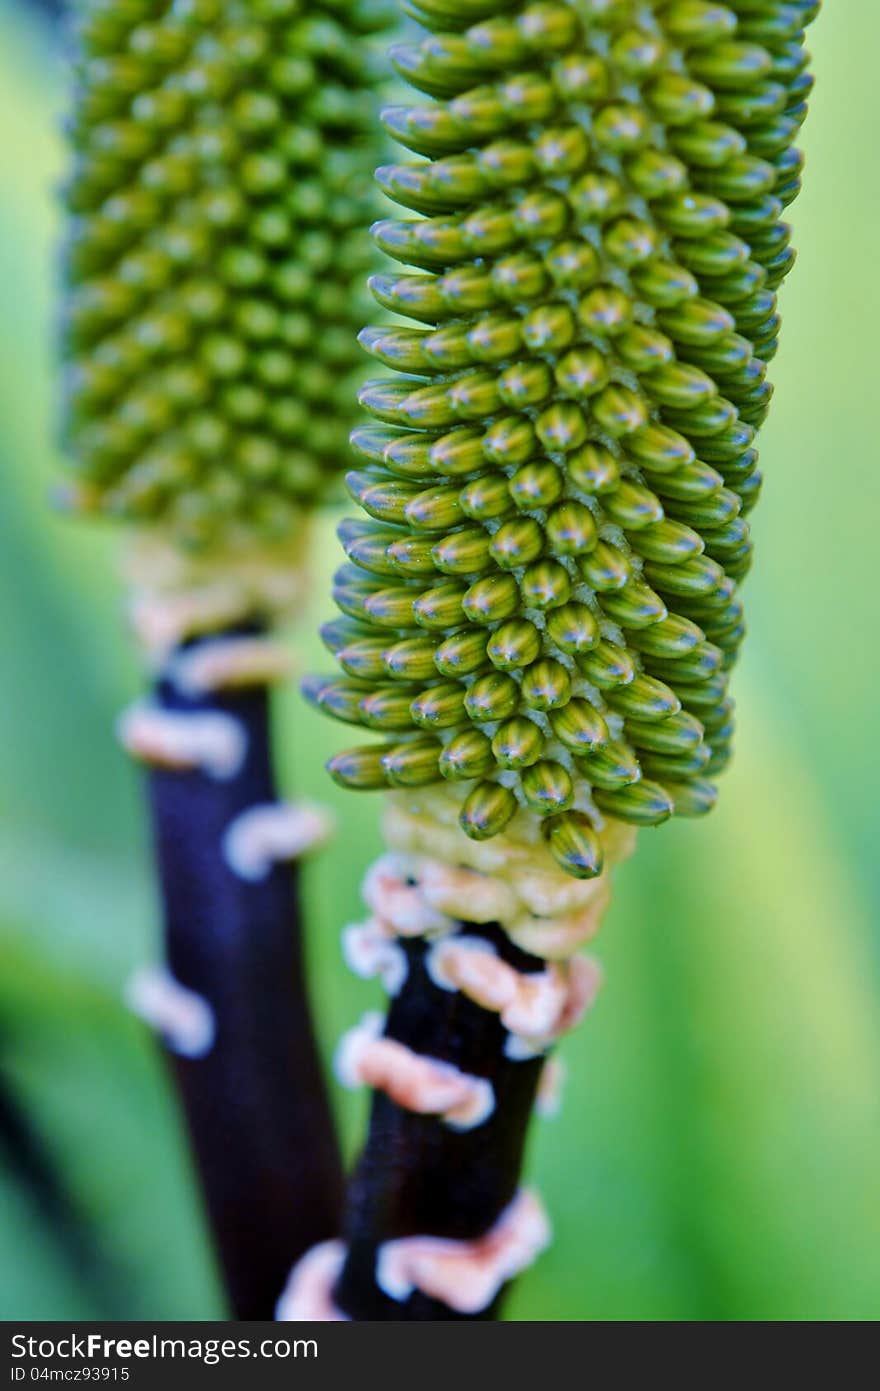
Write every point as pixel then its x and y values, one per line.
pixel 220 164
pixel 233 1007
pixel 541 601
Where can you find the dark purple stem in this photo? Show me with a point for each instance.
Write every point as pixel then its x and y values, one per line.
pixel 419 1177
pixel 256 1107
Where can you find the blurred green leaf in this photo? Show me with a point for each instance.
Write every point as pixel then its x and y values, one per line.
pixel 94 1089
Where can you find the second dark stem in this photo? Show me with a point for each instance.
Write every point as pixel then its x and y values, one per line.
pixel 256 1107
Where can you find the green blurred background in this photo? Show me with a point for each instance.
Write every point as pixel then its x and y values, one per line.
pixel 717 1153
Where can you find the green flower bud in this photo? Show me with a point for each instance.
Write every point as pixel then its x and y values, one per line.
pixel 582 372
pixel 545 585
pixel 401 348
pixel 727 542
pixel 695 797
pixel 536 486
pixel 574 628
pixel 360 768
pixel 675 767
pixel 574 844
pixel 506 163
pixel 631 241
pixel 487 810
pixel 667 542
pixel 363 658
pixel 548 329
pixel 439 607
pixel 634 605
pixel 435 509
pixel 495 338
pixel 562 151
pixel 459 452
pixel 579 726
pixel 412 765
pixel 664 284
pixel 515 644
pixel 541 215
pixel 440 707
pixel 696 323
pixel 689 483
pixel 707 695
pixel 706 420
pixel 461 654
pixel 570 529
pixel 632 506
pixel 678 100
pixel 644 803
pixel 386 499
pixel 468 755
pixel 698 576
pixel 475 395
pixel 420 294
pixel 581 77
pixel 390 608
pixel 607 666
pixel 680 386
pixel 492 697
pixel 464 552
pixel 520 278
pixel 696 22
pixel 517 744
pixel 573 265
pixel 643 349
pixel 605 311
pixel 525 384
pixel 487 498
pixel 491 599
pixel 427 408
pixel 413 659
pixel 619 411
pixel 611 765
pixel 674 734
pixel 561 427
pixel 546 685
pixel 510 441
pixel 656 175
pixel 730 65
pixel 341 699
pixel 670 638
pixel 517 543
pixel 644 698
pixel 621 127
pixel 411 556
pixel 547 788
pixel 387 708
pixel 594 469
pixel 691 214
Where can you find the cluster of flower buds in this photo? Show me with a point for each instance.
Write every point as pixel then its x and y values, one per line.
pixel 542 600
pixel 214 264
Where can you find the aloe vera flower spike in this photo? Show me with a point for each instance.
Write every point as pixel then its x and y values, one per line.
pixel 541 603
pixel 213 267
